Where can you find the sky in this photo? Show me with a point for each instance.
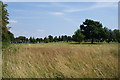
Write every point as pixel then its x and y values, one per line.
pixel 40 19
pixel 60 0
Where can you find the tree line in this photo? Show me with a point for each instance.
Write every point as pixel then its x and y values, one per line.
pixel 89 31
pixel 80 35
pixel 50 38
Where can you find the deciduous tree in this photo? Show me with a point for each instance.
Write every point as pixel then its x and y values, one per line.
pixel 78 36
pixel 91 29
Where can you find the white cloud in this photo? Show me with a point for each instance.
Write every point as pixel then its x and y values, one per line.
pixel 57 13
pixel 103 5
pixel 40 30
pixel 73 10
pixel 13 21
pixel 95 6
pixel 38 5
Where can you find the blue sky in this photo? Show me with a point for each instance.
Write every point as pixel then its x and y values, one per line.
pixel 40 19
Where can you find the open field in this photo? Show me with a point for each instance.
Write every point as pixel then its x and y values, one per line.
pixel 60 60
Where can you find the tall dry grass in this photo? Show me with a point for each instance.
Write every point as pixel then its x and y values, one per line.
pixel 60 60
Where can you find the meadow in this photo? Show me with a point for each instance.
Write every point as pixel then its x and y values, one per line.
pixel 60 60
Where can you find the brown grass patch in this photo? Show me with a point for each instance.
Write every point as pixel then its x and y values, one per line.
pixel 57 60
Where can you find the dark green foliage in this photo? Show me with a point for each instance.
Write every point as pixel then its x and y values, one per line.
pixel 104 33
pixel 38 40
pixel 5 19
pixel 117 35
pixel 32 40
pixel 50 38
pixel 59 38
pixel 111 36
pixel 46 40
pixel 78 36
pixel 64 38
pixel 21 39
pixel 69 38
pixel 91 29
pixel 55 39
pixel 11 36
pixel 7 36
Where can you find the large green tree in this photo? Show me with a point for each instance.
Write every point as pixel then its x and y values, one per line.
pixel 104 33
pixel 78 36
pixel 117 34
pixel 4 23
pixel 91 29
pixel 7 36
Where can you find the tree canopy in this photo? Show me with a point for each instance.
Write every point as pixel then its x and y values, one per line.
pixel 91 29
pixel 7 36
pixel 78 36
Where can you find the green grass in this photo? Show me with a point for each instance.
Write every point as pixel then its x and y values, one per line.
pixel 60 60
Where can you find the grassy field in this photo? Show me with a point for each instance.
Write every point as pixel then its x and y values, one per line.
pixel 60 60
